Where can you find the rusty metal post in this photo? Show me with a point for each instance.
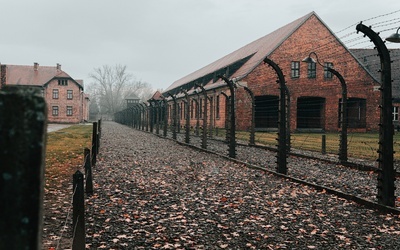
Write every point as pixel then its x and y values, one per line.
pixel 282 123
pixel 323 144
pixel 22 156
pixel 386 174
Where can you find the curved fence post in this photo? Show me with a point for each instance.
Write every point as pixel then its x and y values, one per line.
pixel 174 116
pixel 386 174
pixel 232 115
pixel 187 117
pixel 204 130
pixel 282 123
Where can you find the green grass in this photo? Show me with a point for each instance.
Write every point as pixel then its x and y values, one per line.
pixel 360 145
pixel 64 150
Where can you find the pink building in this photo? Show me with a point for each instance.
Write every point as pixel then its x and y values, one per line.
pixel 66 101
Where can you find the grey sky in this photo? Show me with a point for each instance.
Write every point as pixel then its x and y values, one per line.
pixel 159 41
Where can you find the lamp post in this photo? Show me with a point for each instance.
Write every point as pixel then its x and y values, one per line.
pixel 386 174
pixel 394 38
pixel 343 110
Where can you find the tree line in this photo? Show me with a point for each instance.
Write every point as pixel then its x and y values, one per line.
pixel 110 86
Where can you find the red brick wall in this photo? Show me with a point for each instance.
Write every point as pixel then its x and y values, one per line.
pixel 313 36
pixel 62 102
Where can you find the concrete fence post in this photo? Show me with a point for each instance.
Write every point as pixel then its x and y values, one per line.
pixel 88 172
pixel 22 153
pixel 78 218
pixel 94 143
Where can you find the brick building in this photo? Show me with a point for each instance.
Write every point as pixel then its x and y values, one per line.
pixel 315 94
pixel 66 101
pixel 371 61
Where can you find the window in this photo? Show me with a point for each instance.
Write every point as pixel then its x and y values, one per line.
pixel 69 94
pixel 395 114
pixel 55 111
pixel 356 113
pixel 295 69
pixel 327 74
pixel 312 70
pixel 217 107
pixel 55 93
pixel 62 82
pixel 69 110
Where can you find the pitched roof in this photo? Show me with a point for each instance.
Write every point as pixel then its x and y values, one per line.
pixel 157 96
pixel 132 96
pixel 370 60
pixel 28 75
pixel 251 55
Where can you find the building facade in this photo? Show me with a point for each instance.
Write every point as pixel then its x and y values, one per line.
pixel 64 96
pixel 315 94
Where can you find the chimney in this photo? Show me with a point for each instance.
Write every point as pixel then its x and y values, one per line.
pixel 35 66
pixel 58 66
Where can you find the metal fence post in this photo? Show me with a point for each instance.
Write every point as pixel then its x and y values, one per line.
pixel 386 173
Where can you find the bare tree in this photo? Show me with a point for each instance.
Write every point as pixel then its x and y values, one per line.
pixel 111 85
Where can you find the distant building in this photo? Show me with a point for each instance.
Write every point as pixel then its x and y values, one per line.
pixel 132 100
pixel 370 60
pixel 65 98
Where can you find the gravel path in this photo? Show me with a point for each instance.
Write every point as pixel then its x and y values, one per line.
pixel 151 193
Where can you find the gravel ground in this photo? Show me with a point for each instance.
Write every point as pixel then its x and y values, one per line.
pixel 151 193
pixel 333 175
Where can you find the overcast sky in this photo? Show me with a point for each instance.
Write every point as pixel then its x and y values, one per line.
pixel 160 41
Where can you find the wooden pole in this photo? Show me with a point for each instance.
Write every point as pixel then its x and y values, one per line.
pixel 94 143
pixel 88 172
pixel 78 218
pixel 22 150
